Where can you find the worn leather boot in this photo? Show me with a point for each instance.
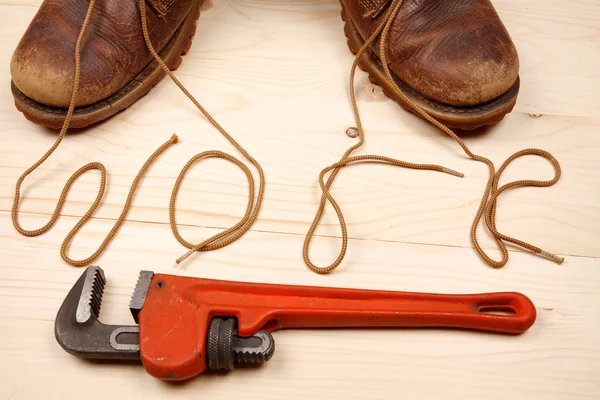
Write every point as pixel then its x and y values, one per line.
pixel 116 65
pixel 454 59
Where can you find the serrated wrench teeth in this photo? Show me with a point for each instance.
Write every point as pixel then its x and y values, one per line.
pixel 90 299
pixel 78 330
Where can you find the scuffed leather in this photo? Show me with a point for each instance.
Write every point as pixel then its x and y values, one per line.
pixel 113 50
pixel 456 52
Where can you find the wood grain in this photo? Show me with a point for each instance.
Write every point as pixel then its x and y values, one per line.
pixel 559 356
pixel 275 75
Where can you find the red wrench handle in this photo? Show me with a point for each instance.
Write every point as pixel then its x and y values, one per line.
pixel 178 310
pixel 337 308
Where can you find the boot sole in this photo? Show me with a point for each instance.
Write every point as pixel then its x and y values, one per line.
pixel 171 54
pixel 465 118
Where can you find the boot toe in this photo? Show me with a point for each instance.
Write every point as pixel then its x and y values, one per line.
pixel 43 67
pixel 456 53
pixel 43 64
pixel 38 76
pixel 464 74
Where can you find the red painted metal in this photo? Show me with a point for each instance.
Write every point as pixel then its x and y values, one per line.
pixel 178 310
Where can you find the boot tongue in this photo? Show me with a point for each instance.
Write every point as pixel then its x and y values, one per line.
pixel 373 8
pixel 161 7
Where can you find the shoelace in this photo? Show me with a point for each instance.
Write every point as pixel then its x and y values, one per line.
pixel 490 195
pixel 217 241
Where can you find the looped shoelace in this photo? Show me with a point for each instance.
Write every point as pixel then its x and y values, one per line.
pixel 490 195
pixel 217 241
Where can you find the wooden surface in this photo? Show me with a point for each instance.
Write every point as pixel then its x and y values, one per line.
pixel 275 74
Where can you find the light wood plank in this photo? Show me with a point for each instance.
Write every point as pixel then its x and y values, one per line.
pixel 558 357
pixel 380 202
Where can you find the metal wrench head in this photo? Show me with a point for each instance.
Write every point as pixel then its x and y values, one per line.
pixel 78 330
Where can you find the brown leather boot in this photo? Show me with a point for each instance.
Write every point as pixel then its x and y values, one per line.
pixel 454 59
pixel 116 66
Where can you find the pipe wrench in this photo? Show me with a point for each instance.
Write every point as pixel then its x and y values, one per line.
pixel 188 325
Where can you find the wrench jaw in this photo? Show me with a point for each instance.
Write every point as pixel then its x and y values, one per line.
pixel 80 333
pixel 78 330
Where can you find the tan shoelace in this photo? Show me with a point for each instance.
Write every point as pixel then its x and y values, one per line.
pixel 217 241
pixel 490 195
